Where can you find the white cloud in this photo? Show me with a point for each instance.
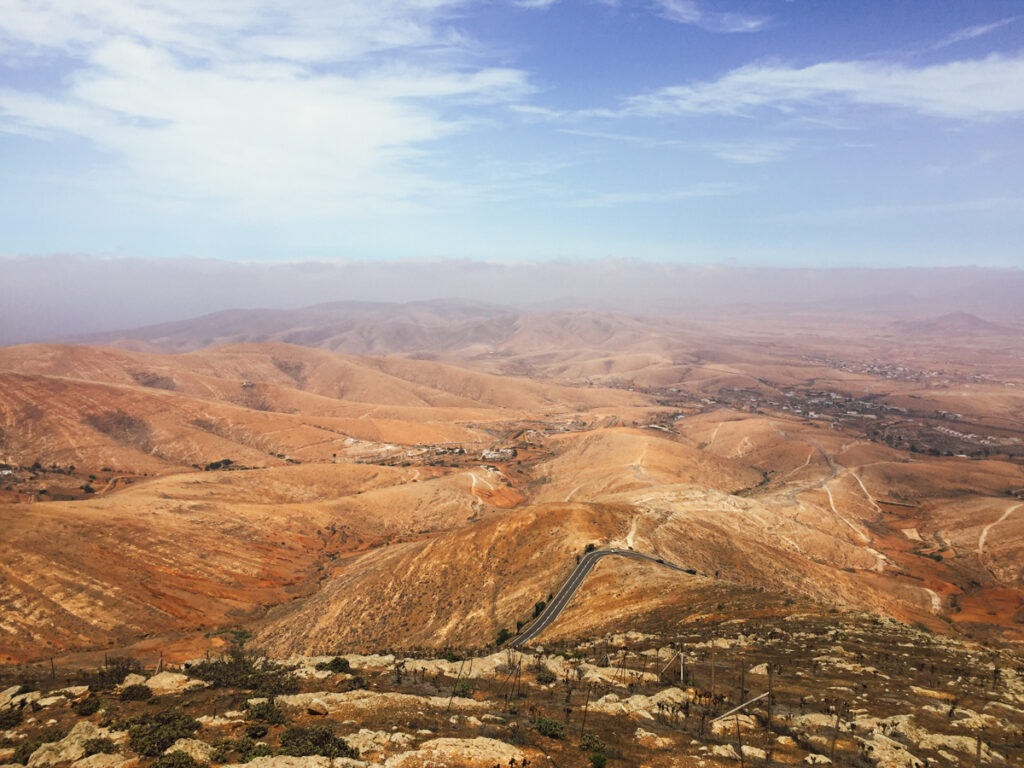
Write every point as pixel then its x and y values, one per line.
pixel 751 153
pixel 696 191
pixel 535 3
pixel 690 12
pixel 275 109
pixel 977 89
pixel 970 33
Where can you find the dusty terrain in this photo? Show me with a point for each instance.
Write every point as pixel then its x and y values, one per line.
pixel 822 687
pixel 330 502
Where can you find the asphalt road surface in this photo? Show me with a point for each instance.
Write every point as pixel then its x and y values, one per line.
pixel 557 604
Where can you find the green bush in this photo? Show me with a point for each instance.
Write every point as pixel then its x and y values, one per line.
pixel 138 692
pixel 101 746
pixel 266 711
pixel 590 743
pixel 10 718
pixel 222 749
pixel 337 664
pixel 546 676
pixel 256 730
pixel 237 670
pixel 86 707
pixel 547 727
pixel 503 636
pixel 464 688
pixel 258 750
pixel 150 735
pixel 598 760
pixel 175 759
pixel 316 740
pixel 113 672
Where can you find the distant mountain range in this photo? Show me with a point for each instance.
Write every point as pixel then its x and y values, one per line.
pixel 60 297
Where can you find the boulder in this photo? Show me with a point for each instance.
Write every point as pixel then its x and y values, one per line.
pixel 198 750
pixel 49 701
pixel 68 749
pixel 8 694
pixel 725 750
pixel 73 692
pixel 727 725
pixel 25 699
pixel 652 740
pixel 172 682
pixel 317 707
pixel 368 742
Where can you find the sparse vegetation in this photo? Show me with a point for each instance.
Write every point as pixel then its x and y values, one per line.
pixel 137 692
pixel 267 712
pixel 98 746
pixel 545 676
pixel 591 743
pixel 112 673
pixel 315 740
pixel 338 665
pixel 546 726
pixel 176 759
pixel 151 734
pixel 25 749
pixel 240 670
pixel 10 718
pixel 86 707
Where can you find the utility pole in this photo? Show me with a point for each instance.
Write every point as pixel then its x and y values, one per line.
pixel 456 685
pixel 586 705
pixel 712 667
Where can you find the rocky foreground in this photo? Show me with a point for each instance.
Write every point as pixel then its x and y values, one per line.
pixel 845 689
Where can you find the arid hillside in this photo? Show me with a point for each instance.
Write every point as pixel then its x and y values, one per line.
pixel 323 500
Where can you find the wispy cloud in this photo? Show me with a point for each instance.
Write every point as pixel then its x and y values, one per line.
pixel 971 90
pixel 284 108
pixel 690 12
pixel 751 153
pixel 696 191
pixel 741 152
pixel 970 33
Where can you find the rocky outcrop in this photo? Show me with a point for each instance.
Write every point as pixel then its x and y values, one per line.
pixel 106 761
pixel 172 682
pixel 361 700
pixel 71 747
pixel 198 750
pixel 641 706
pixel 312 761
pixel 457 753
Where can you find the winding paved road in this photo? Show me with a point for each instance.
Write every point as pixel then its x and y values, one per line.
pixel 557 604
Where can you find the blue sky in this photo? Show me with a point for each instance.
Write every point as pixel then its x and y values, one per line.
pixel 769 132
